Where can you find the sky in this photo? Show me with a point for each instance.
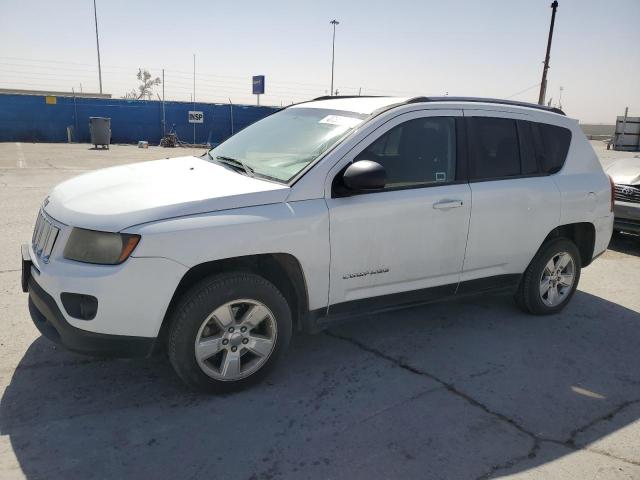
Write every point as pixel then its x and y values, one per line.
pixel 488 48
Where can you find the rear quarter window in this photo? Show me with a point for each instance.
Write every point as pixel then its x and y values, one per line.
pixel 553 147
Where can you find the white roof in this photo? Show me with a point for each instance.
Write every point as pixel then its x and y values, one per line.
pixel 365 105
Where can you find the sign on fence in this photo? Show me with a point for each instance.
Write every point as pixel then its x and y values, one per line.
pixel 196 117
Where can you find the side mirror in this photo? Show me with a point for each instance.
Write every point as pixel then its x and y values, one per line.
pixel 365 175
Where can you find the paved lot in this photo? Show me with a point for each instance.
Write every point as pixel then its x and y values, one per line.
pixel 471 389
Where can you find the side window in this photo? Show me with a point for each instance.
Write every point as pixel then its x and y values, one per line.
pixel 417 152
pixel 528 163
pixel 387 145
pixel 494 148
pixel 555 143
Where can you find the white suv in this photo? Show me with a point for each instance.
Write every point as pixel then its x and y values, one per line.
pixel 320 212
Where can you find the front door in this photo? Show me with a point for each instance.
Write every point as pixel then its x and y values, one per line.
pixel 407 242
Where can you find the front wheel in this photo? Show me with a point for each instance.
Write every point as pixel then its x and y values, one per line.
pixel 228 331
pixel 551 278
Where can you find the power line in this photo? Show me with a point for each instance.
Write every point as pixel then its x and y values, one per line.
pixel 523 91
pixel 47 73
pixel 184 73
pixel 118 67
pixel 207 85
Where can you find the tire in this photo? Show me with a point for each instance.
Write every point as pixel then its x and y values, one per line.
pixel 232 317
pixel 531 296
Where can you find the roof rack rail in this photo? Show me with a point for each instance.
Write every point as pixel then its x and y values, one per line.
pixel 336 97
pixel 486 100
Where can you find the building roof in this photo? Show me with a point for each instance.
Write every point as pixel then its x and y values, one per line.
pixel 52 93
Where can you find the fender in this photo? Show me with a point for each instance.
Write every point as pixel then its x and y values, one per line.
pixel 299 229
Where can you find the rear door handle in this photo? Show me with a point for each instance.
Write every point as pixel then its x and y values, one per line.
pixel 446 204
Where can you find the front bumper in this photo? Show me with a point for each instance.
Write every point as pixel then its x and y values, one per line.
pixel 627 216
pixel 627 225
pixel 131 299
pixel 48 318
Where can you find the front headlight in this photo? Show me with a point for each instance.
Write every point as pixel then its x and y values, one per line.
pixel 104 248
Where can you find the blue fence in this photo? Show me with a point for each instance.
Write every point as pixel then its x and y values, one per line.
pixel 29 118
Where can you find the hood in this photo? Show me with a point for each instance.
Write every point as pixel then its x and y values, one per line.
pixel 625 171
pixel 115 198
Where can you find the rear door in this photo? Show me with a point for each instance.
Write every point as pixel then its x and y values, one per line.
pixel 515 206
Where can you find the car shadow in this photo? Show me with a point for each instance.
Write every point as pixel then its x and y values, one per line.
pixel 452 390
pixel 623 242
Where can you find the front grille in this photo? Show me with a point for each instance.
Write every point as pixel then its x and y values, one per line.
pixel 44 237
pixel 628 193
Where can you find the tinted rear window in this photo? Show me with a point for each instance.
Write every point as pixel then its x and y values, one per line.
pixel 555 143
pixel 494 148
pixel 503 148
pixel 529 165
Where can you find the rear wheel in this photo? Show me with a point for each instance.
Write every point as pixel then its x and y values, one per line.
pixel 228 332
pixel 551 278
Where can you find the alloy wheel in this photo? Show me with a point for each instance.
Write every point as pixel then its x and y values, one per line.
pixel 557 279
pixel 235 340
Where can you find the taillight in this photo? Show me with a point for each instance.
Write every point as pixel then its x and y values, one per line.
pixel 613 192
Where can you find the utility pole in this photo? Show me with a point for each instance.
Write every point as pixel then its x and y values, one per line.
pixel 164 120
pixel 543 84
pixel 333 22
pixel 194 95
pixel 95 17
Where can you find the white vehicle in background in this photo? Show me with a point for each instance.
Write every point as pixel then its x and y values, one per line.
pixel 625 174
pixel 323 211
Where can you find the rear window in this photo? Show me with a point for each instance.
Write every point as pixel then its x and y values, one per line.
pixel 503 148
pixel 528 163
pixel 494 148
pixel 554 147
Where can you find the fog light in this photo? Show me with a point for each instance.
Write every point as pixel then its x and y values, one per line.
pixel 77 305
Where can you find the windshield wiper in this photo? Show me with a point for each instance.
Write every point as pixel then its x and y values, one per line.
pixel 235 163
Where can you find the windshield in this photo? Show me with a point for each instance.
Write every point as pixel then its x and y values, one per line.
pixel 281 145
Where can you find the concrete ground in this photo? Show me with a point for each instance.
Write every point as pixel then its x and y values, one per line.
pixel 471 389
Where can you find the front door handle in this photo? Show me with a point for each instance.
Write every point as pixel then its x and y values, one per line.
pixel 446 204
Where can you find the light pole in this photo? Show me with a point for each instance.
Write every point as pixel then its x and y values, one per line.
pixel 543 83
pixel 334 22
pixel 95 17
